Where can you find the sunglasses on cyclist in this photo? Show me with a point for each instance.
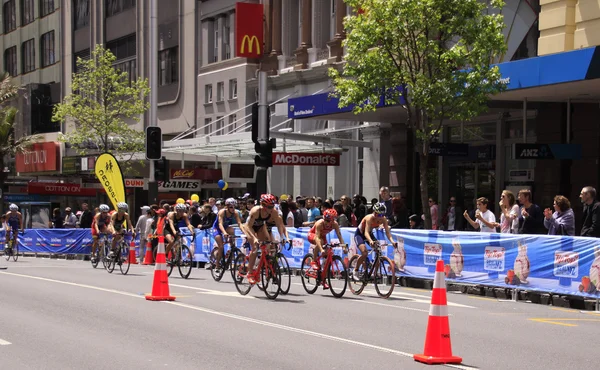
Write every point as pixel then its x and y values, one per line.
pixel 379 214
pixel 270 207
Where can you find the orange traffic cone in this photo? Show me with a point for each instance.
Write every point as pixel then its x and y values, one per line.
pixel 160 287
pixel 438 349
pixel 148 257
pixel 132 257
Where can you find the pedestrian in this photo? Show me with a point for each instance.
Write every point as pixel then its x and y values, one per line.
pixel 591 213
pixel 562 220
pixel 141 229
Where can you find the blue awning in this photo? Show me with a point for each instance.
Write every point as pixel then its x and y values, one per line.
pixel 526 78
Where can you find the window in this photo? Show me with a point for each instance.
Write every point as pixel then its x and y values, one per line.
pixel 216 43
pixel 9 13
pixel 168 72
pixel 332 20
pixel 207 126
pixel 27 15
pixel 47 49
pixel 220 91
pixel 117 6
pixel 46 7
pixel 129 67
pixel 220 124
pixel 83 54
pixel 10 60
pixel 81 13
pixel 233 89
pixel 123 48
pixel 232 119
pixel 226 43
pixel 28 56
pixel 207 94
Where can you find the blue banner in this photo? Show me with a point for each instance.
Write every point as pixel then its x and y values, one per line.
pixel 547 263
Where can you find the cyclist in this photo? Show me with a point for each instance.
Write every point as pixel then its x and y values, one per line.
pixel 117 220
pixel 222 226
pixel 317 236
pixel 256 227
pixel 14 222
pixel 100 224
pixel 364 232
pixel 177 220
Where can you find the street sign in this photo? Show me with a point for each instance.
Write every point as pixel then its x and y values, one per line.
pixel 547 151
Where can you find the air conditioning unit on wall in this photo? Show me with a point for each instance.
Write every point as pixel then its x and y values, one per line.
pixel 520 175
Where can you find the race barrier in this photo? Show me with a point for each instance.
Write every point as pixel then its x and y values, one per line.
pixel 552 264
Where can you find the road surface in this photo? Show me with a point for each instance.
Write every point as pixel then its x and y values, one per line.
pixel 57 314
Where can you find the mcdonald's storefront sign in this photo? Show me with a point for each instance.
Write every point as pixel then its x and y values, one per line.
pixel 250 45
pixel 249 35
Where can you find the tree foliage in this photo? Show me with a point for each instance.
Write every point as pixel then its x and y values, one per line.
pixel 103 106
pixel 433 57
pixel 10 145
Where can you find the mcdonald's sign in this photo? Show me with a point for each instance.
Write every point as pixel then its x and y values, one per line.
pixel 249 31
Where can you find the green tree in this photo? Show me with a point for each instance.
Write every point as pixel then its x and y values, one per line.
pixel 439 51
pixel 10 145
pixel 103 103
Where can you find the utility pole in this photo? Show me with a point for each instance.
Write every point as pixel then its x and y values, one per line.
pixel 153 76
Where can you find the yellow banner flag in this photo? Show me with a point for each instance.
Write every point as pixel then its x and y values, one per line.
pixel 109 174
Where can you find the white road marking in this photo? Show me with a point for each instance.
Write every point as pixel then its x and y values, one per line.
pixel 213 292
pixel 4 343
pixel 237 317
pixel 392 306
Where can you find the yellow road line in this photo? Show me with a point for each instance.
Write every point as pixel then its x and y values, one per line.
pixel 557 321
pixel 484 298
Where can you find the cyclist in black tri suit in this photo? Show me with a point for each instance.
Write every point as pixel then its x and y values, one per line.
pixel 117 220
pixel 177 220
pixel 14 222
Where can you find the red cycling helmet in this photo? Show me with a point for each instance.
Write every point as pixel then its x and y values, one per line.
pixel 330 214
pixel 268 199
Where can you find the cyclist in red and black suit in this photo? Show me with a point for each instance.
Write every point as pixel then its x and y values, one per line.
pixel 317 236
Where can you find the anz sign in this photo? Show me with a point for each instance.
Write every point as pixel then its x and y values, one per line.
pixel 546 151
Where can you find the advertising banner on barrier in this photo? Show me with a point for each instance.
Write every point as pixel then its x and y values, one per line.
pixel 555 264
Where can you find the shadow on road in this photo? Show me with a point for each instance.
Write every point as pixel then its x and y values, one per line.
pixel 354 298
pixel 282 300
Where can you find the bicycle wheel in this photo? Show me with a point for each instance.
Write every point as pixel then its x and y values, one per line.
pixel 96 260
pixel 123 258
pixel 310 277
pixel 216 274
pixel 231 261
pixel 104 255
pixel 270 275
pixel 185 262
pixel 337 277
pixel 356 281
pixel 286 273
pixel 111 262
pixel 8 250
pixel 385 277
pixel 172 259
pixel 241 272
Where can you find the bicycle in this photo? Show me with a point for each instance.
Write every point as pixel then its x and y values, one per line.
pixel 180 256
pixel 267 268
pixel 12 248
pixel 284 267
pixel 333 270
pixel 227 259
pixel 376 272
pixel 100 249
pixel 119 257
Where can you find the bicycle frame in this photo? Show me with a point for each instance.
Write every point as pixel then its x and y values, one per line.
pixel 262 262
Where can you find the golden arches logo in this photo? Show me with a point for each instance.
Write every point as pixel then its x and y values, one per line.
pixel 250 40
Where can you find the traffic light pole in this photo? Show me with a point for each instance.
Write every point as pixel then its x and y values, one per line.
pixel 153 71
pixel 263 129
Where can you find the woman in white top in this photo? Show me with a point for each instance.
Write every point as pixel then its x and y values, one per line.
pixel 509 213
pixel 485 219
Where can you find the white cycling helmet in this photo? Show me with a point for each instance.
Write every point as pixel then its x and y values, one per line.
pixel 180 207
pixel 231 202
pixel 122 206
pixel 13 207
pixel 379 208
pixel 104 208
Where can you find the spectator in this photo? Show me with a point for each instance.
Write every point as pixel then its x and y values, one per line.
pixel 452 221
pixel 296 213
pixel 57 220
pixel 591 213
pixel 70 219
pixel 302 211
pixel 342 218
pixel 531 218
pixel 399 218
pixel 434 211
pixel 384 194
pixel 287 215
pixel 359 209
pixel 207 217
pixel 414 222
pixel 509 213
pixel 194 216
pixel 562 221
pixel 85 221
pixel 485 219
pixel 313 211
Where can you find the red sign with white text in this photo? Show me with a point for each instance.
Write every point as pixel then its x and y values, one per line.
pixel 40 157
pixel 306 159
pixel 53 188
pixel 249 35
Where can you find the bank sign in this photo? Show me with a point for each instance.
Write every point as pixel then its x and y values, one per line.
pixel 306 159
pixel 547 151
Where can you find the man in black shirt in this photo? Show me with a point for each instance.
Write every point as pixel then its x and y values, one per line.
pixel 591 213
pixel 531 218
pixel 85 220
